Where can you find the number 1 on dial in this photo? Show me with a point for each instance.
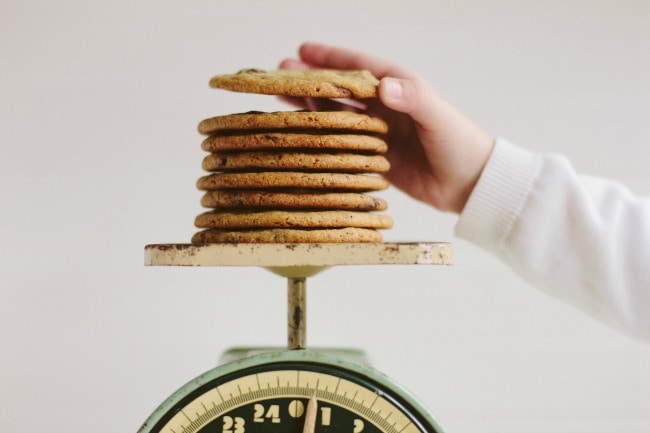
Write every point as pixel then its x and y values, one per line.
pixel 325 415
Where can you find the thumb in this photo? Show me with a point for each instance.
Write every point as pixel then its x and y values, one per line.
pixel 409 95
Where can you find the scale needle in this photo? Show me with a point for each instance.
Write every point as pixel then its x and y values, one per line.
pixel 310 415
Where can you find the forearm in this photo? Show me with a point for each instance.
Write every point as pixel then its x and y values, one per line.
pixel 583 239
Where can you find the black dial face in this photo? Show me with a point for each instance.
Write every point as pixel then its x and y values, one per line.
pixel 292 397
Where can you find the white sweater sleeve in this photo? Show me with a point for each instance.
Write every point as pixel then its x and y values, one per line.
pixel 583 239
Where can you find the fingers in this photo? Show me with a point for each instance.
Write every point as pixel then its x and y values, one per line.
pixel 412 96
pixel 325 56
pixel 293 64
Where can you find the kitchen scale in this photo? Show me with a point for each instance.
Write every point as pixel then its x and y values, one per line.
pixel 293 389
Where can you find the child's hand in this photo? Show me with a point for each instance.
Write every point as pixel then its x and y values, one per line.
pixel 436 153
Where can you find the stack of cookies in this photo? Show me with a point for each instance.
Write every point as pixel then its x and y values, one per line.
pixel 301 176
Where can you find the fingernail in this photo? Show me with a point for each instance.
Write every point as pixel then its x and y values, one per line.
pixel 393 88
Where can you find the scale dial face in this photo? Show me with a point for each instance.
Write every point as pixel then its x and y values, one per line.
pixel 271 393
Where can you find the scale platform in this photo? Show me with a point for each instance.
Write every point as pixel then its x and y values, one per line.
pixel 299 260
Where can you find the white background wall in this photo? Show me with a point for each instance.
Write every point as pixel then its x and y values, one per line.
pixel 99 103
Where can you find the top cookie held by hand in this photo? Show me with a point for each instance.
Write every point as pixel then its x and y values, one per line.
pixel 311 83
